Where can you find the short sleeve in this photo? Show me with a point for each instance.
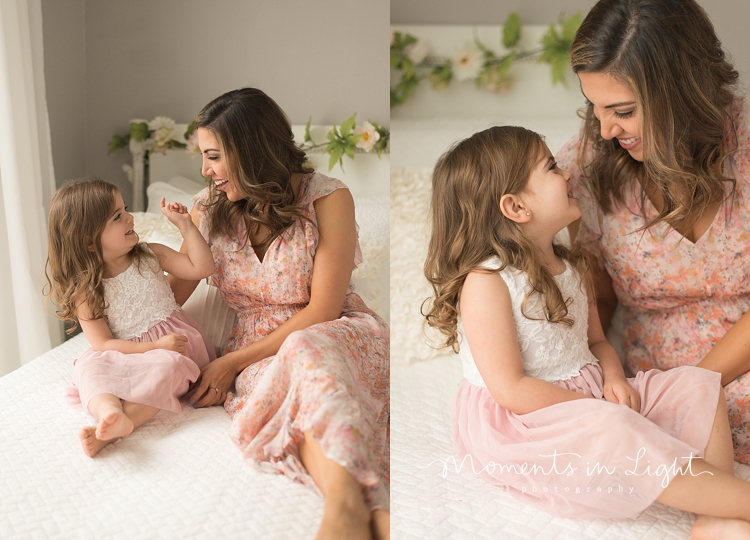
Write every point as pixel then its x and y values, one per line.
pixel 589 232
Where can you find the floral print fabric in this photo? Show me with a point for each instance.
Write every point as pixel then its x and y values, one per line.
pixel 679 297
pixel 332 378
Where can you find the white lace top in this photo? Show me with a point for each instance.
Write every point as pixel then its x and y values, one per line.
pixel 136 301
pixel 550 351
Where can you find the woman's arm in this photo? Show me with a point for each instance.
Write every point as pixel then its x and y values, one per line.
pixel 196 261
pixel 487 318
pixel 183 288
pixel 332 270
pixel 616 387
pixel 100 337
pixel 731 355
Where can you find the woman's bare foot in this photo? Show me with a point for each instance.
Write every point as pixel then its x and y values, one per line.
pixel 113 425
pixel 381 525
pixel 713 528
pixel 91 445
pixel 345 516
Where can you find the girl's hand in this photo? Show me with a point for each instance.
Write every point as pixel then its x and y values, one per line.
pixel 214 382
pixel 619 391
pixel 172 342
pixel 176 213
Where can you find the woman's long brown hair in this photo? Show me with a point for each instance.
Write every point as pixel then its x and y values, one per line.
pixel 667 53
pixel 75 266
pixel 468 227
pixel 257 143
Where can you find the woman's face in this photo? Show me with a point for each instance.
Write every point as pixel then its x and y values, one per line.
pixel 615 107
pixel 214 165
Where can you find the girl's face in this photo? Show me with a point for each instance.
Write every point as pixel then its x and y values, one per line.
pixel 118 237
pixel 615 108
pixel 214 165
pixel 547 195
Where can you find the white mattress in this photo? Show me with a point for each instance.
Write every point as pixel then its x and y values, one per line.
pixel 178 476
pixel 430 500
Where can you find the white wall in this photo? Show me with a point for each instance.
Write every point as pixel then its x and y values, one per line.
pixel 142 58
pixel 730 17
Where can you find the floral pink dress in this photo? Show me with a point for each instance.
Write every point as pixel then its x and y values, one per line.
pixel 331 378
pixel 679 297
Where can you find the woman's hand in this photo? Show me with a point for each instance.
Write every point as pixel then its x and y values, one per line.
pixel 617 390
pixel 214 382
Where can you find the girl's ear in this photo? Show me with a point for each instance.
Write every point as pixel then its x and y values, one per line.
pixel 513 208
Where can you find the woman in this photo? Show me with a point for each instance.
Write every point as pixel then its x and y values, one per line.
pixel 305 374
pixel 662 173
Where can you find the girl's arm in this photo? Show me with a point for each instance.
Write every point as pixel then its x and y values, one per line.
pixel 488 322
pixel 183 288
pixel 731 355
pixel 616 387
pixel 332 270
pixel 100 337
pixel 194 260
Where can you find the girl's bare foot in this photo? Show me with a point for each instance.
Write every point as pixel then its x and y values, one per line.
pixel 713 528
pixel 345 516
pixel 113 425
pixel 381 525
pixel 91 445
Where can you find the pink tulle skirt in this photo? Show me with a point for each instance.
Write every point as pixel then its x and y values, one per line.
pixel 589 458
pixel 157 378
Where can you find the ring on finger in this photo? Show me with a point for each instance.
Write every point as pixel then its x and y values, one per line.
pixel 214 388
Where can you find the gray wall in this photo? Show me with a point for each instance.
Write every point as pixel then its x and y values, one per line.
pixel 730 17
pixel 107 61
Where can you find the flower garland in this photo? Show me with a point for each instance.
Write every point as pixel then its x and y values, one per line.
pixel 411 60
pixel 158 135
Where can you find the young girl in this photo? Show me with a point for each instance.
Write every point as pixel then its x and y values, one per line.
pixel 145 351
pixel 545 409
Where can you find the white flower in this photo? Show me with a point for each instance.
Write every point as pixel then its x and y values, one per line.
pixel 417 52
pixel 161 122
pixel 466 64
pixel 369 136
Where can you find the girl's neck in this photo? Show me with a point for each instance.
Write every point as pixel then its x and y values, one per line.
pixel 554 264
pixel 117 266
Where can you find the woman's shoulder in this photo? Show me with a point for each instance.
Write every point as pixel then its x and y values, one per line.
pixel 316 185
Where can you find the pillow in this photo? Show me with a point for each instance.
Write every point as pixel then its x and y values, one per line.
pixel 372 278
pixel 211 313
pixel 157 190
pixel 186 184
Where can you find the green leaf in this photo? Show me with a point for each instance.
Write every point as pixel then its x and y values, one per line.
pixel 349 150
pixel 570 27
pixel 189 130
pixel 139 131
pixel 307 130
pixel 511 31
pixel 117 142
pixel 336 154
pixel 505 63
pixel 396 58
pixel 348 124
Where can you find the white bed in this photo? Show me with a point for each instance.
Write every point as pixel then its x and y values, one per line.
pixel 179 475
pixel 430 497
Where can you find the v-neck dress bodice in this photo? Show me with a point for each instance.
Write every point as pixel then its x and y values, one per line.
pixel 680 297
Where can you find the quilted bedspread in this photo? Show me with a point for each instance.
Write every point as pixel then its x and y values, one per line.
pixel 430 499
pixel 177 476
